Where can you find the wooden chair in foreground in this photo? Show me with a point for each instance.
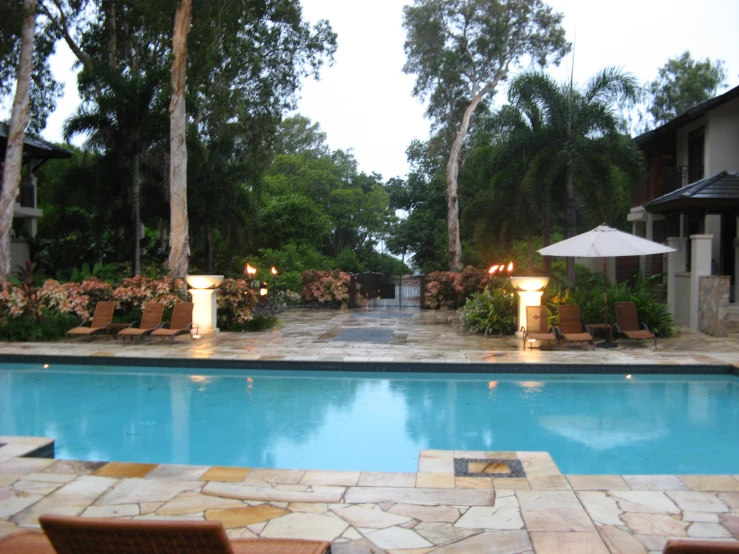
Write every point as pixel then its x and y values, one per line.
pixel 570 325
pixel 700 547
pixel 151 320
pixel 627 323
pixel 537 326
pixel 101 320
pixel 181 323
pixel 83 535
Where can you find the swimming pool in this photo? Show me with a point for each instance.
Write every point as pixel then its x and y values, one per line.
pixel 591 424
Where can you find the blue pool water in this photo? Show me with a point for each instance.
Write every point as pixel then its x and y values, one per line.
pixel 372 421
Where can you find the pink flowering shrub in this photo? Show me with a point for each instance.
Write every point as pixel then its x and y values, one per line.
pixel 449 290
pixel 444 290
pixel 132 293
pixel 236 301
pixel 78 299
pixel 329 288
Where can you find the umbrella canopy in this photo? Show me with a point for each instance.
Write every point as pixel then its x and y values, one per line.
pixel 604 242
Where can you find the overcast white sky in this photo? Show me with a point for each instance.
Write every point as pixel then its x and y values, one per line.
pixel 364 100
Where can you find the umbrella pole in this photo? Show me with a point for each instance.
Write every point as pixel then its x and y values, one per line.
pixel 606 343
pixel 605 293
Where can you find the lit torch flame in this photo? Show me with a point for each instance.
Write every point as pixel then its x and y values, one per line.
pixel 251 270
pixel 510 267
pixel 493 269
pixel 274 270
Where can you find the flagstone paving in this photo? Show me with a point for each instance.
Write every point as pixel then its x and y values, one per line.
pixel 395 513
pixel 426 337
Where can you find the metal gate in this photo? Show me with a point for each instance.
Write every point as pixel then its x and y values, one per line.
pixel 388 291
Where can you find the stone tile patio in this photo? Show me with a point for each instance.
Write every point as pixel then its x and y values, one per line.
pixel 543 511
pixel 390 337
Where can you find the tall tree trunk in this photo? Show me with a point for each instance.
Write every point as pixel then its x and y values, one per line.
pixel 570 215
pixel 208 250
pixel 14 149
pixel 452 186
pixel 546 240
pixel 110 26
pixel 179 247
pixel 162 235
pixel 136 211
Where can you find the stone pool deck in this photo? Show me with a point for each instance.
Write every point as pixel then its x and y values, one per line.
pixel 434 510
pixel 386 337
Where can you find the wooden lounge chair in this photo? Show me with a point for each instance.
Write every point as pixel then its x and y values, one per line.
pixel 151 319
pixel 627 323
pixel 181 323
pixel 101 320
pixel 700 547
pixel 537 326
pixel 84 535
pixel 570 325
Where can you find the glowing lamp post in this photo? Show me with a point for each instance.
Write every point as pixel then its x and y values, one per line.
pixel 203 292
pixel 529 291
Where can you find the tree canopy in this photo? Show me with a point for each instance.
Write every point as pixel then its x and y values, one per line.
pixel 460 51
pixel 682 83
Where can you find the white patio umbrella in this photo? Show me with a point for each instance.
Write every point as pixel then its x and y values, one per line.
pixel 604 242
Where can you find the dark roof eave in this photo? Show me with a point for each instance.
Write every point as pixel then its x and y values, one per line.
pixel 689 116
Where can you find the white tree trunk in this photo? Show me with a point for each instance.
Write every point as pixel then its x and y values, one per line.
pixel 14 150
pixel 452 197
pixel 179 244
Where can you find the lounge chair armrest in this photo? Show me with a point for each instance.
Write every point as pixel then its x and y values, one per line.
pixel 618 329
pixel 557 332
pixel 133 323
pixel 588 331
pixel 646 327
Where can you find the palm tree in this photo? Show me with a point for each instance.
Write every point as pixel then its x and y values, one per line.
pixel 123 121
pixel 585 147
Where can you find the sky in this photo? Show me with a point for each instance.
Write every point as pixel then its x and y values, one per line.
pixel 364 101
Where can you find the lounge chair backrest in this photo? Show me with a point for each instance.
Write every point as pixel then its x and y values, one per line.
pixel 182 315
pixel 103 314
pixel 569 319
pixel 626 316
pixel 84 535
pixel 152 315
pixel 537 319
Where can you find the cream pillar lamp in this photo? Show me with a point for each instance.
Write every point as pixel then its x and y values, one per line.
pixel 529 291
pixel 203 292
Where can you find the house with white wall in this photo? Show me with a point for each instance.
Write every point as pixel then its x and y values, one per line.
pixel 690 199
pixel 26 212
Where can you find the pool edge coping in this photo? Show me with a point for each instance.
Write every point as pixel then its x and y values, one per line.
pixel 379 367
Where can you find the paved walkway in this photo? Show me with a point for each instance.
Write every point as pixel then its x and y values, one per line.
pixel 427 337
pixel 457 502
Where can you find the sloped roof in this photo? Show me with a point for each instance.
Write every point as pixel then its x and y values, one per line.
pixel 719 193
pixel 34 147
pixel 691 115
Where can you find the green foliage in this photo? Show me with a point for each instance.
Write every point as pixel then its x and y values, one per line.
pixel 588 295
pixel 50 327
pixel 491 312
pixel 682 83
pixel 109 272
pixel 256 324
pixel 45 90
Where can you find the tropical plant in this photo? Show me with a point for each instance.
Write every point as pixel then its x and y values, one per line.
pixel 586 157
pixel 491 312
pixel 236 302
